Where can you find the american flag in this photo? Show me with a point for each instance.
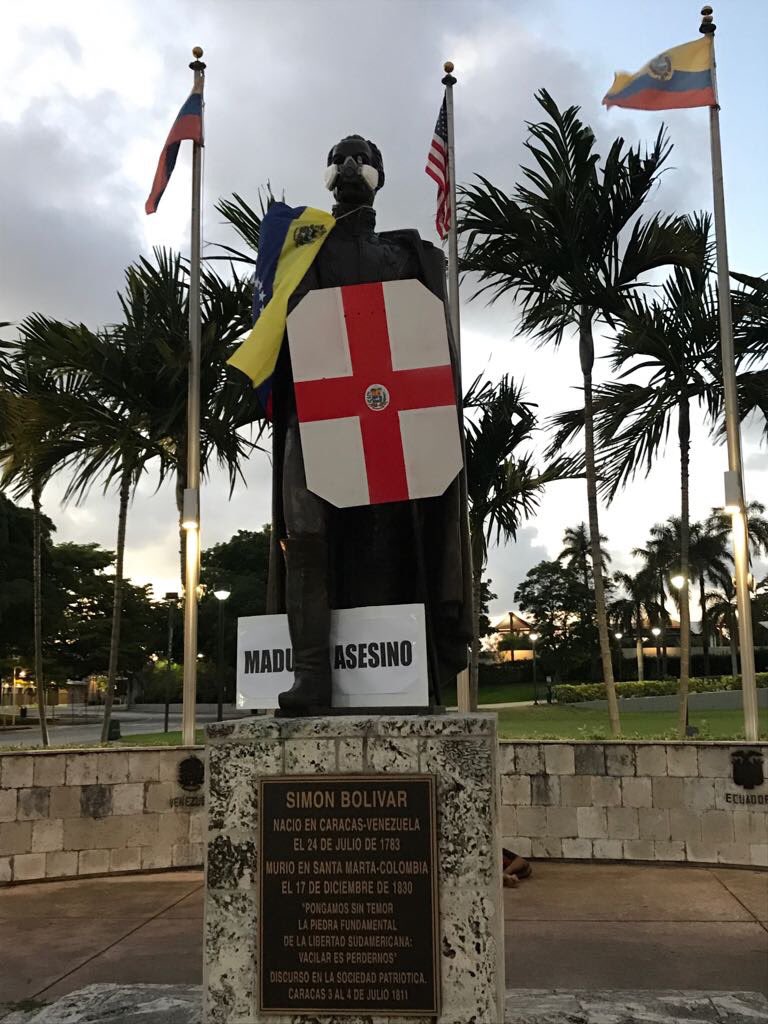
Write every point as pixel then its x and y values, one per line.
pixel 437 168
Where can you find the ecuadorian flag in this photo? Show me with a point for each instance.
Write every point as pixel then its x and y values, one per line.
pixel 289 240
pixel 680 77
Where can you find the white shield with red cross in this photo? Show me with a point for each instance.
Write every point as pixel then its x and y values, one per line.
pixel 375 394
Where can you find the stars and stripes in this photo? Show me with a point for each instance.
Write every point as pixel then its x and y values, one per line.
pixel 437 169
pixel 188 125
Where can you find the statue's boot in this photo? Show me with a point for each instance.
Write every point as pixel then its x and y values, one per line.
pixel 309 622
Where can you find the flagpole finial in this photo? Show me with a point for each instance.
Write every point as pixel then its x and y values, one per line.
pixel 707 26
pixel 197 64
pixel 448 68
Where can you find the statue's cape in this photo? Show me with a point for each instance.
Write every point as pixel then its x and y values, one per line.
pixel 289 240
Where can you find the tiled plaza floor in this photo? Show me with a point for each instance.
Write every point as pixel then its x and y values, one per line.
pixel 569 927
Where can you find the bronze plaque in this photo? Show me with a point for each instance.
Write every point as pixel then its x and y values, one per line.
pixel 348 895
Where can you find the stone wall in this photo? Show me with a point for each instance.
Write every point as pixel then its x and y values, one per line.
pixel 93 812
pixel 85 812
pixel 633 801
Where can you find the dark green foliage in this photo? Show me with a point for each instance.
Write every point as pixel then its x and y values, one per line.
pixel 553 595
pixel 575 693
pixel 239 565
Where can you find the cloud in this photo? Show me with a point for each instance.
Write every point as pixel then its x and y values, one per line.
pixel 66 234
pixel 508 565
pixel 89 102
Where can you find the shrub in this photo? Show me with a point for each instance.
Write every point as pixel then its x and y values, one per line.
pixel 575 693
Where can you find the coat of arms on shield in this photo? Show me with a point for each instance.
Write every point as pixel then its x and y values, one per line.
pixel 375 394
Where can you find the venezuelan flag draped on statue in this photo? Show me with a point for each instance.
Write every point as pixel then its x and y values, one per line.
pixel 676 78
pixel 289 240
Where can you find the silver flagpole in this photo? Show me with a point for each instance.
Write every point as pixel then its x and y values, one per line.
pixel 734 478
pixel 191 506
pixel 463 689
pixel 453 244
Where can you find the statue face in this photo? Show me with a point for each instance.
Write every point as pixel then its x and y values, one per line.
pixel 351 174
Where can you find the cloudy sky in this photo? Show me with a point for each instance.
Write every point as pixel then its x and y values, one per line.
pixel 91 89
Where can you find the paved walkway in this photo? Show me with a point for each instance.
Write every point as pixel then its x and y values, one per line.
pixel 569 927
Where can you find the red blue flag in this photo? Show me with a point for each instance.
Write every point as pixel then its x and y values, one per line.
pixel 188 125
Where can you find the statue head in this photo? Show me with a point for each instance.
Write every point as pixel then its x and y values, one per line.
pixel 355 171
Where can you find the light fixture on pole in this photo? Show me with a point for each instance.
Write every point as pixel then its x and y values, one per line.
pixel 533 638
pixel 656 634
pixel 172 598
pixel 678 581
pixel 221 596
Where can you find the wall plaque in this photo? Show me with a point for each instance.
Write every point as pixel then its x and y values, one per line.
pixel 348 895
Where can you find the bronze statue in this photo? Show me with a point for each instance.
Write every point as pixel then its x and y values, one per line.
pixel 400 552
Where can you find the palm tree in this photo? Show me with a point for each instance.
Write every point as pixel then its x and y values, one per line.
pixel 568 245
pixel 577 554
pixel 32 448
pixel 155 307
pixel 722 612
pixel 641 589
pixel 136 409
pixel 503 486
pixel 709 559
pixel 718 524
pixel 673 344
pixel 112 439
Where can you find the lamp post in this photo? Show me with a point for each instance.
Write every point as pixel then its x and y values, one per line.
pixel 533 638
pixel 657 633
pixel 221 596
pixel 172 598
pixel 618 648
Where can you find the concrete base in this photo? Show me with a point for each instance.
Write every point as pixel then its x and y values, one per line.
pixel 169 1004
pixel 459 750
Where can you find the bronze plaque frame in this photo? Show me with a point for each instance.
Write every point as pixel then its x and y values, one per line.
pixel 421 784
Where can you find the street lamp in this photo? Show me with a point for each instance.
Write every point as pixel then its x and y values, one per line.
pixel 678 581
pixel 221 596
pixel 533 638
pixel 618 648
pixel 657 633
pixel 172 598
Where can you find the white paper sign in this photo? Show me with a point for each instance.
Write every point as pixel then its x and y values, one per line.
pixel 378 658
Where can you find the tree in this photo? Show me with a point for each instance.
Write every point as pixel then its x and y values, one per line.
pixel 673 345
pixel 641 590
pixel 155 309
pixel 551 594
pixel 503 487
pixel 239 565
pixel 718 525
pixel 111 437
pixel 722 612
pixel 32 448
pixel 568 245
pixel 577 554
pixel 709 560
pixel 136 405
pixel 79 644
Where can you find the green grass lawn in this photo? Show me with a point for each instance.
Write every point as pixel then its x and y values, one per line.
pixel 566 722
pixel 574 722
pixel 502 693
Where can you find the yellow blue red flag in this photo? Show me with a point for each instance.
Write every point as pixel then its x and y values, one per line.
pixel 289 240
pixel 680 77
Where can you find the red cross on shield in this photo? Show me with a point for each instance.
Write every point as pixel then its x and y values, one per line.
pixel 375 393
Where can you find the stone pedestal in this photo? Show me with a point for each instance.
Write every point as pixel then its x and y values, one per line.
pixel 460 751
